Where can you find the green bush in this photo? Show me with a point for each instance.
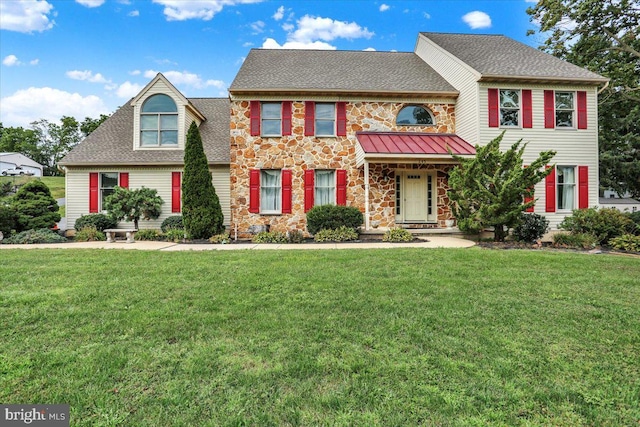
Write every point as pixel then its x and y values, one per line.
pixel 574 240
pixel 99 221
pixel 397 235
pixel 149 234
pixel 175 235
pixel 635 217
pixel 332 217
pixel 7 220
pixel 470 225
pixel 220 238
pixel 174 222
pixel 42 235
pixel 5 188
pixel 295 236
pixel 341 234
pixel 270 237
pixel 34 207
pixel 531 228
pixel 626 242
pixel 603 224
pixel 89 234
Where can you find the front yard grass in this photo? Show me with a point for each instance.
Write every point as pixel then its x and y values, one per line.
pixel 347 337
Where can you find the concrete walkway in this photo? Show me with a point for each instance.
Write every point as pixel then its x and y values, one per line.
pixel 433 242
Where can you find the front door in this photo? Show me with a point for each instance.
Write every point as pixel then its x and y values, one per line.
pixel 415 192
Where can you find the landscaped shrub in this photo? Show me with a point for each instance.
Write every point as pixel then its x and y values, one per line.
pixel 5 188
pixel 603 224
pixel 99 221
pixel 175 235
pixel 270 237
pixel 470 225
pixel 531 228
pixel 7 220
pixel 626 242
pixel 331 217
pixel 397 235
pixel 341 234
pixel 42 235
pixel 89 234
pixel 635 217
pixel 174 222
pixel 133 205
pixel 574 240
pixel 149 234
pixel 220 238
pixel 295 236
pixel 35 207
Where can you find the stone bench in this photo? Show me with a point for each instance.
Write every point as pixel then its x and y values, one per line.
pixel 111 234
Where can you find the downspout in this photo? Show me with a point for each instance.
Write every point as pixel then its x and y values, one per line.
pixel 606 85
pixel 367 221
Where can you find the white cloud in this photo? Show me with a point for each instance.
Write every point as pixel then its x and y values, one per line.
pixel 477 19
pixel 134 13
pixel 288 27
pixel 34 103
pixel 185 78
pixel 247 44
pixel 88 76
pixel 426 15
pixel 34 61
pixel 384 7
pixel 128 90
pixel 369 49
pixel 314 33
pixel 181 10
pixel 10 61
pixel 258 27
pixel 91 3
pixel 279 13
pixel 135 72
pixel 25 16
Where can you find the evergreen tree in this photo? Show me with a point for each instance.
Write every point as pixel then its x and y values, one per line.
pixel 34 207
pixel 131 205
pixel 488 190
pixel 201 212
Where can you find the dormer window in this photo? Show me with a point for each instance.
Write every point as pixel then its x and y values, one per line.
pixel 159 122
pixel 414 115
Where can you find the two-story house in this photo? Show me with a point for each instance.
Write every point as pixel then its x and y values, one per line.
pixel 375 130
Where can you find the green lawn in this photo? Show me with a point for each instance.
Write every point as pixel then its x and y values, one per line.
pixel 367 338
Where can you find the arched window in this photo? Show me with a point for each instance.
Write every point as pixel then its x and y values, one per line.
pixel 159 122
pixel 414 115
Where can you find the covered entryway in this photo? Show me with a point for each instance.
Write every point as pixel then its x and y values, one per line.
pixel 418 164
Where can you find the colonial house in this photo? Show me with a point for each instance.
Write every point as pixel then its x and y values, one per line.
pixel 375 130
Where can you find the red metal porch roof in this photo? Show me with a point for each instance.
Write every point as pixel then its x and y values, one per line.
pixel 413 143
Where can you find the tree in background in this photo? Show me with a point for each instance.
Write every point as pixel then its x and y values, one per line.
pixel 488 190
pixel 34 207
pixel 133 205
pixel 89 125
pixel 603 36
pixel 201 212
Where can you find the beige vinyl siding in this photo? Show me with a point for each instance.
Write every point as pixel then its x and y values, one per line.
pixel 462 78
pixel 574 147
pixel 77 191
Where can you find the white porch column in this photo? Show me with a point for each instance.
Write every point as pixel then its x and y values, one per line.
pixel 367 221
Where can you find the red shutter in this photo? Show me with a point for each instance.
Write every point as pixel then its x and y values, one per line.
pixel 341 187
pixel 309 189
pixel 93 192
pixel 528 199
pixel 582 109
pixel 583 187
pixel 494 109
pixel 309 118
pixel 550 190
pixel 124 180
pixel 549 109
pixel 255 117
pixel 527 109
pixel 254 191
pixel 341 119
pixel 286 191
pixel 176 191
pixel 286 118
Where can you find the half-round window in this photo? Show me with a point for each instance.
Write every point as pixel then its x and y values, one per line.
pixel 159 122
pixel 414 115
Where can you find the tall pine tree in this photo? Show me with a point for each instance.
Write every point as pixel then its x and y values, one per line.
pixel 201 212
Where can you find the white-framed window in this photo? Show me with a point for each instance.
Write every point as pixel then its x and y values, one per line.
pixel 565 109
pixel 159 122
pixel 566 187
pixel 325 187
pixel 414 115
pixel 270 191
pixel 325 119
pixel 108 182
pixel 509 107
pixel 271 118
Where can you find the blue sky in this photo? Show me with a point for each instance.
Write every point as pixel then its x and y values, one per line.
pixel 86 57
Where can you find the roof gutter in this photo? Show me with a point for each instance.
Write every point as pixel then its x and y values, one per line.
pixel 543 79
pixel 606 85
pixel 249 91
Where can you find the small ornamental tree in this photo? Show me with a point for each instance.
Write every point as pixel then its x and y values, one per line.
pixel 201 212
pixel 131 205
pixel 488 190
pixel 34 207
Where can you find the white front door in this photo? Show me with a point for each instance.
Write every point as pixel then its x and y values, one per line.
pixel 416 196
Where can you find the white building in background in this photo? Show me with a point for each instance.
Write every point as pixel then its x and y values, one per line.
pixel 17 160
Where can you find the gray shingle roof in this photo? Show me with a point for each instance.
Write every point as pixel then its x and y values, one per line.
pixel 337 71
pixel 112 142
pixel 500 56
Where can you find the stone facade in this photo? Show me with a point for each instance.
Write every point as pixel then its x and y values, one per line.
pixel 299 153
